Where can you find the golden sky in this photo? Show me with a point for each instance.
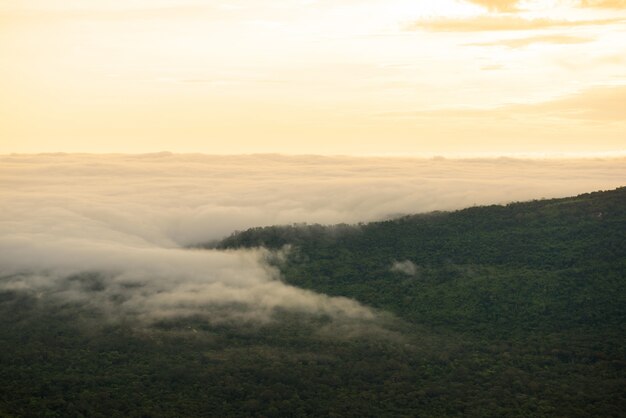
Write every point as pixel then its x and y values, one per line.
pixel 360 77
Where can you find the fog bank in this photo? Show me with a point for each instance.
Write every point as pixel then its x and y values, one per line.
pixel 109 230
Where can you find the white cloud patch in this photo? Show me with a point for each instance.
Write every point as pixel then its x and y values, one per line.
pixel 406 267
pixel 111 230
pixel 154 283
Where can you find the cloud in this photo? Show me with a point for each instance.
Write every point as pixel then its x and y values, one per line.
pixel 604 4
pixel 111 231
pixel 498 5
pixel 601 104
pixel 542 39
pixel 501 23
pixel 151 283
pixel 406 267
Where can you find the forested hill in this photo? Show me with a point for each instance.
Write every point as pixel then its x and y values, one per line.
pixel 498 311
pixel 543 265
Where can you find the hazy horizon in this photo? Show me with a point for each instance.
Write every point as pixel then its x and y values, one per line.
pixel 129 219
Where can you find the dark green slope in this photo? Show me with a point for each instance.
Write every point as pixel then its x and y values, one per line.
pixel 534 292
pixel 549 265
pixel 511 311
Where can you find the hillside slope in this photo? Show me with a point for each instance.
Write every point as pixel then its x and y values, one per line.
pixel 498 311
pixel 544 265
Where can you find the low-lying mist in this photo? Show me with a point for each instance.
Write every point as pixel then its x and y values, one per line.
pixel 111 231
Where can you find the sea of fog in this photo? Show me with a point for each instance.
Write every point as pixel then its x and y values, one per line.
pixel 112 231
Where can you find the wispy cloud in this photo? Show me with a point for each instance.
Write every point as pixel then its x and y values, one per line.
pixel 540 39
pixel 501 23
pixel 498 5
pixel 406 267
pixel 511 6
pixel 150 283
pixel 604 4
pixel 603 103
pixel 600 104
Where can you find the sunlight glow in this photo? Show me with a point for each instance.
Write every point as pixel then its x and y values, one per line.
pixel 318 76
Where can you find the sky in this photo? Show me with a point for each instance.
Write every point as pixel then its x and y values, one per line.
pixel 352 77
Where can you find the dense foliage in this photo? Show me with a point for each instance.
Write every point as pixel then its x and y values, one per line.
pixel 516 310
pixel 544 265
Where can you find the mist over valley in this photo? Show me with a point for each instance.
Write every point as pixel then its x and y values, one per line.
pixel 260 285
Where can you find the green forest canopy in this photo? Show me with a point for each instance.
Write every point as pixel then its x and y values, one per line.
pixel 515 310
